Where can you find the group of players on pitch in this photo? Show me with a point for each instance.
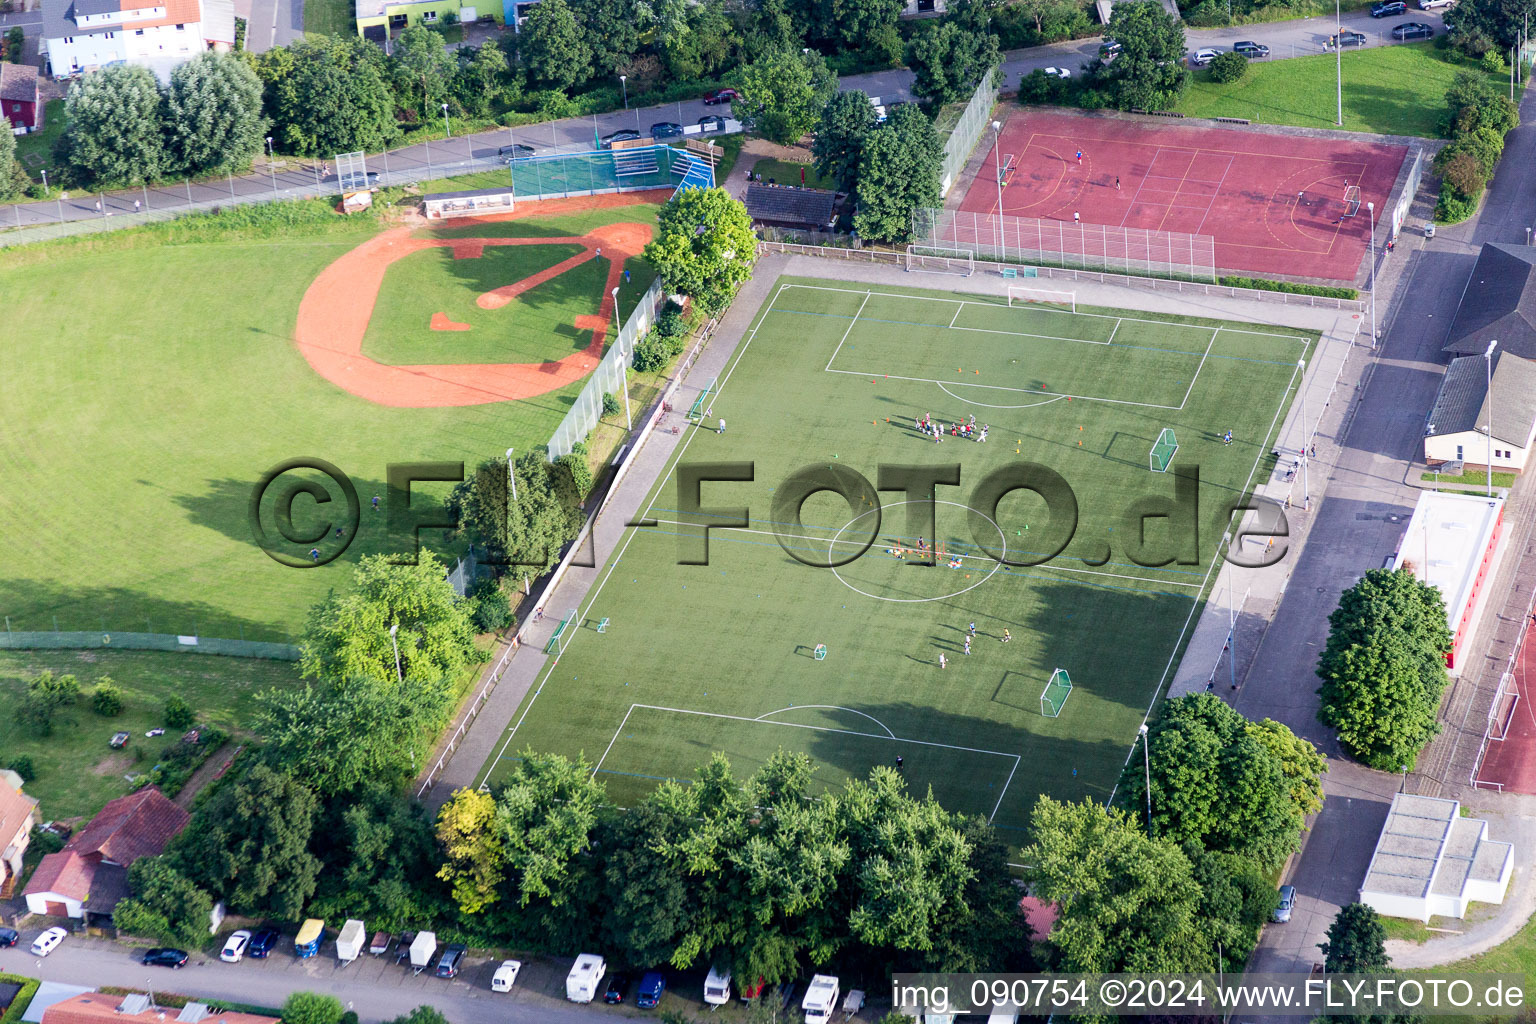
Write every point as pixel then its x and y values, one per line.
pixel 933 428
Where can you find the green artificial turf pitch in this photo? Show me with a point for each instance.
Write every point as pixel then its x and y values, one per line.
pixel 696 658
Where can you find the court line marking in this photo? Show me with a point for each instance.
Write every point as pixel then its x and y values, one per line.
pixel 829 707
pixel 851 324
pixel 1212 200
pixel 821 728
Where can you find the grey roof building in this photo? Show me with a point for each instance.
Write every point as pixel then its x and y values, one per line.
pixel 1499 303
pixel 809 209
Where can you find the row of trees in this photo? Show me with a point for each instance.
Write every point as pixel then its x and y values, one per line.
pixel 1478 117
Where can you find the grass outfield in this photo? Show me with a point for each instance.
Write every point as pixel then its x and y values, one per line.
pixel 722 656
pixel 1390 90
pixel 76 771
pixel 148 386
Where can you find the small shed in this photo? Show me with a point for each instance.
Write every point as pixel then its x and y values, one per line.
pixel 1432 862
pixel 468 203
pixel 20 100
pixel 799 209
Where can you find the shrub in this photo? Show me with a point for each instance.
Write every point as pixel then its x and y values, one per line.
pixel 670 324
pixel 1228 67
pixel 493 610
pixel 178 713
pixel 575 463
pixel 1493 62
pixel 22 765
pixel 45 842
pixel 610 403
pixel 1264 284
pixel 655 350
pixel 1462 173
pixel 1453 207
pixel 312 1008
pixel 1094 99
pixel 107 699
pixel 1038 87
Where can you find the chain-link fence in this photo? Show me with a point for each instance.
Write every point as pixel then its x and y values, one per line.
pixel 608 378
pixel 1028 240
pixel 968 128
pixel 108 640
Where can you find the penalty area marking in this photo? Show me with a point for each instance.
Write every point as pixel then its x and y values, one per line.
pixel 827 707
pixel 765 720
pixel 988 405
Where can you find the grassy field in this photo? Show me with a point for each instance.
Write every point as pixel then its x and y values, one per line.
pixel 35 151
pixel 76 771
pixel 330 17
pixel 1390 90
pixel 699 657
pixel 157 395
pixel 786 173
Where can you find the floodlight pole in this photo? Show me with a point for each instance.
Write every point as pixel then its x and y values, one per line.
pixel 1488 359
pixel 272 164
pixel 393 629
pixel 624 82
pixel 1146 760
pixel 511 476
pixel 997 132
pixel 618 337
pixel 447 131
pixel 1306 462
pixel 1371 208
pixel 1338 58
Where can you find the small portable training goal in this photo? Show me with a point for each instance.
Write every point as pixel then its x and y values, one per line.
pixel 696 411
pixel 937 259
pixel 820 653
pixel 562 635
pixel 1023 295
pixel 1005 173
pixel 1054 697
pixel 1163 451
pixel 1351 200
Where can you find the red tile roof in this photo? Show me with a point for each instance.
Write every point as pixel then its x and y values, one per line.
pixel 15 808
pixel 66 874
pixel 133 826
pixel 95 1008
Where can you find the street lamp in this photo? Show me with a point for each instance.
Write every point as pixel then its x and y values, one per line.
pixel 1146 760
pixel 1371 208
pixel 623 358
pixel 997 134
pixel 393 629
pixel 1306 463
pixel 511 476
pixel 447 132
pixel 624 82
pixel 1488 358
pixel 272 164
pixel 1338 58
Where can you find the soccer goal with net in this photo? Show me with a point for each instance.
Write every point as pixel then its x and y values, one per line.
pixel 1351 200
pixel 936 259
pixel 696 411
pixel 1055 694
pixel 1021 295
pixel 562 636
pixel 1502 713
pixel 1163 451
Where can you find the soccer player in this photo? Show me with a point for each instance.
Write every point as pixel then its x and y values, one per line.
pixel 967 645
pixel 973 629
pixel 942 660
pixel 1007 636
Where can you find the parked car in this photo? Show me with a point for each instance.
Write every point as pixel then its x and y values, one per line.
pixel 48 941
pixel 712 123
pixel 119 740
pixel 1109 49
pixel 162 956
pixel 235 947
pixel 1347 38
pixel 452 959
pixel 262 942
pixel 618 988
pixel 506 976
pixel 666 130
pixel 1388 9
pixel 1057 73
pixel 1430 5
pixel 652 985
pixel 622 135
pixel 516 151
pixel 1203 57
pixel 9 937
pixel 715 96
pixel 1282 913
pixel 1250 49
pixel 1413 30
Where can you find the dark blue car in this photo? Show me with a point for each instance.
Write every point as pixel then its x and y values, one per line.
pixel 262 943
pixel 651 987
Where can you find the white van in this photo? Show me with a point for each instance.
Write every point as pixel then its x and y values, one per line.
pixel 820 999
pixel 586 973
pixel 48 941
pixel 717 987
pixel 1003 1015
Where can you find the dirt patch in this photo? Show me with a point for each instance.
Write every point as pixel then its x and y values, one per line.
pixel 113 764
pixel 440 322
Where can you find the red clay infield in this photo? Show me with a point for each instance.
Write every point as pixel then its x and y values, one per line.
pixel 1511 763
pixel 333 315
pixel 1239 187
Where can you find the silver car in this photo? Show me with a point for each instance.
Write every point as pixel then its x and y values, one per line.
pixel 1282 913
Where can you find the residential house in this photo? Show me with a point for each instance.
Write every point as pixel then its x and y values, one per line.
pixel 1499 304
pixel 82 35
pixel 381 19
pixel 18 815
pixel 20 101
pixel 90 875
pixel 1458 427
pixel 139 1008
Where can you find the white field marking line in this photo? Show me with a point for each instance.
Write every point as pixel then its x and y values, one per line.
pixel 618 557
pixel 1191 389
pixel 1112 333
pixel 958 310
pixel 1212 201
pixel 1022 391
pixel 823 728
pixel 1028 309
pixel 989 405
pixel 975 558
pixel 829 707
pixel 624 721
pixel 1195 603
pixel 1006 783
pixel 851 324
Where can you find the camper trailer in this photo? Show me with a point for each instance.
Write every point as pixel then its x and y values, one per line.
pixel 586 973
pixel 307 943
pixel 820 999
pixel 717 987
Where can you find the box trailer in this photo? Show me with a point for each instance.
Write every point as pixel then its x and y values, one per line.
pixel 423 947
pixel 349 944
pixel 307 943
pixel 581 984
pixel 820 999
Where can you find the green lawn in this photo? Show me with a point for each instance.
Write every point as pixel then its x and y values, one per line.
pixel 158 382
pixel 701 657
pixel 1390 90
pixel 35 151
pixel 330 17
pixel 1470 477
pixel 76 770
pixel 786 173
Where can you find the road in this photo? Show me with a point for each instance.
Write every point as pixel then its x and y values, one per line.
pixel 272 23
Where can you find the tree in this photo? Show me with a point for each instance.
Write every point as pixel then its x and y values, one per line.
pixel 1149 72
pixel 1357 942
pixel 45 696
pixel 1229 67
pixel 114 133
pixel 1216 783
pixel 1127 902
pixel 771 26
pixel 846 122
pixel 312 1008
pixel 178 713
pixel 898 173
pixel 473 844
pixel 950 58
pixel 479 81
pixel 328 96
pixel 546 811
pixel 785 91
pixel 611 31
pixel 554 50
pixel 421 1015
pixel 1236 900
pixel 1479 25
pixel 106 698
pixel 379 853
pixel 704 246
pixel 163 905
pixel 336 738
pixel 421 69
pixel 249 845
pixel 213 114
pixel 849 24
pixel 1471 103
pixel 704 47
pixel 1383 668
pixel 12 177
pixel 648 906
pixel 493 610
pixel 528 534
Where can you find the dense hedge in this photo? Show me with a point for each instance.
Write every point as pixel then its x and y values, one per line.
pixel 23 998
pixel 1265 285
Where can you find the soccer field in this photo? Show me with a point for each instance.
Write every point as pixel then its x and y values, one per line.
pixel 828 383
